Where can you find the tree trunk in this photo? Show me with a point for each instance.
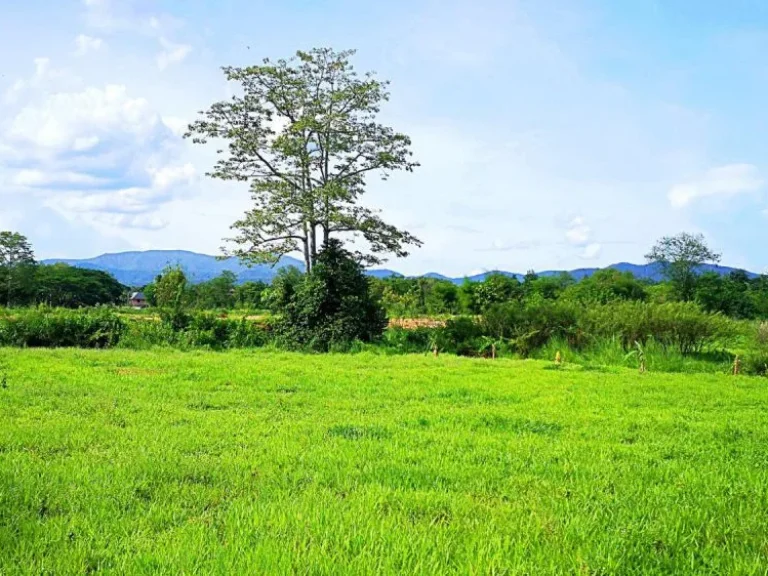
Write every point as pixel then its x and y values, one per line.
pixel 9 285
pixel 305 247
pixel 313 241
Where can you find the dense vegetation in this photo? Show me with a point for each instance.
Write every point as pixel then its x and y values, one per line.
pixel 60 285
pixel 699 323
pixel 736 295
pixel 132 462
pixel 660 337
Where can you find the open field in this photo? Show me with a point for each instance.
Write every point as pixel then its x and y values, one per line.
pixel 262 462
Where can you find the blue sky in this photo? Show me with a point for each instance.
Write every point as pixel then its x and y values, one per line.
pixel 552 134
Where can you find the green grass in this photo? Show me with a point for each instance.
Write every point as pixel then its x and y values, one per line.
pixel 261 462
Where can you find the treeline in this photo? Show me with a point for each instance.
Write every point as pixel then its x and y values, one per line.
pixel 59 285
pixel 220 293
pixel 735 295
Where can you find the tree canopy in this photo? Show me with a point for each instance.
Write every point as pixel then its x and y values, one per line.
pixel 16 257
pixel 680 256
pixel 304 134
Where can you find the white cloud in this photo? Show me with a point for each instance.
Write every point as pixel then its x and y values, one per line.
pixel 83 143
pixel 97 156
pixel 85 44
pixel 126 201
pixel 177 125
pixel 99 14
pixel 170 176
pixel 141 221
pixel 13 93
pixel 171 53
pixel 722 181
pixel 578 233
pixel 32 178
pixel 43 73
pixel 42 65
pixel 591 252
pixel 126 16
pixel 74 121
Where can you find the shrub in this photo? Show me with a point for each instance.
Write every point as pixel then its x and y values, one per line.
pixel 333 306
pixel 682 325
pixel 762 335
pixel 411 341
pixel 530 326
pixel 460 336
pixel 203 330
pixel 142 334
pixel 755 363
pixel 59 328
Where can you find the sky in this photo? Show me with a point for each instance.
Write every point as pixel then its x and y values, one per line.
pixel 552 134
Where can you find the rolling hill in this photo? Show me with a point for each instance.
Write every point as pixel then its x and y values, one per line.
pixel 140 268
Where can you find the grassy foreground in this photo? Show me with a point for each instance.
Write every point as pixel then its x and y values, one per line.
pixel 268 463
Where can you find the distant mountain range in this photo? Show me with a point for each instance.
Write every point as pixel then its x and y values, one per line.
pixel 141 268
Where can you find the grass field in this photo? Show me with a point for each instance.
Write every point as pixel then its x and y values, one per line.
pixel 268 463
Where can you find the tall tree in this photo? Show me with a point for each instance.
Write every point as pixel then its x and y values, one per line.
pixel 680 257
pixel 15 254
pixel 170 288
pixel 304 134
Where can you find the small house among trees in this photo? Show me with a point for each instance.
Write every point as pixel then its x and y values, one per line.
pixel 137 300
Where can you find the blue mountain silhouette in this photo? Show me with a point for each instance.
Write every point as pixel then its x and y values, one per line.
pixel 140 268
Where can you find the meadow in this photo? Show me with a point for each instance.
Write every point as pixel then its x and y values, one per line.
pixel 257 461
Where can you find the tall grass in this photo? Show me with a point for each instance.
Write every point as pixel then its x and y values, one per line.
pixel 201 330
pixel 59 328
pixel 605 352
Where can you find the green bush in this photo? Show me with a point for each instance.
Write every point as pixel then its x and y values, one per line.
pixel 761 335
pixel 333 306
pixel 526 327
pixel 142 334
pixel 680 325
pixel 405 341
pixel 59 328
pixel 201 330
pixel 462 336
pixel 755 364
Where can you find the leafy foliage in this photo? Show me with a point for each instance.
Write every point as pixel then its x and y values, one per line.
pixel 333 305
pixel 16 259
pixel 51 328
pixel 679 257
pixel 70 287
pixel 304 134
pixel 171 296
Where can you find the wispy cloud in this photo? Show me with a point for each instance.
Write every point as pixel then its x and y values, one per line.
pixel 723 181
pixel 85 44
pixel 578 232
pixel 502 246
pixel 591 252
pixel 171 53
